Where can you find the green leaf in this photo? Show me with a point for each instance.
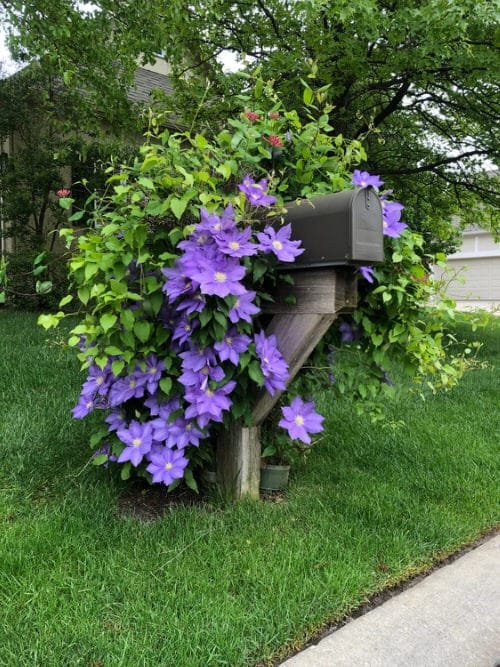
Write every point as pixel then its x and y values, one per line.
pixel 224 169
pixel 49 321
pixel 39 269
pixel 107 321
pixel 201 142
pixel 99 460
pixel 127 319
pixel 84 295
pixel 190 480
pixel 65 202
pixel 113 350
pixel 65 300
pixel 146 183
pixel 308 96
pixel 205 317
pixel 178 206
pixel 142 330
pixel 43 286
pixel 221 319
pixel 90 270
pixel 117 367
pixel 39 258
pixel 166 385
pixel 125 471
pixel 76 216
pixel 254 371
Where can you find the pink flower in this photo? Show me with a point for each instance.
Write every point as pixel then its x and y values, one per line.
pixel 274 140
pixel 63 192
pixel 252 115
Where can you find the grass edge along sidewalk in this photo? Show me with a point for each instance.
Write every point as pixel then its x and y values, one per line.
pixel 240 585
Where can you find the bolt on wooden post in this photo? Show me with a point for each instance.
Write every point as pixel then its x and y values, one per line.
pixel 339 232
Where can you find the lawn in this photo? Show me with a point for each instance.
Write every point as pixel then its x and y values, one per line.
pixel 223 585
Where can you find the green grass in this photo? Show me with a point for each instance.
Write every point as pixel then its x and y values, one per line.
pixel 79 585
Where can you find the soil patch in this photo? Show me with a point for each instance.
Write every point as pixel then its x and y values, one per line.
pixel 148 502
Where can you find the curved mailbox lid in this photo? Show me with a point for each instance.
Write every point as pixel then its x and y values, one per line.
pixel 338 229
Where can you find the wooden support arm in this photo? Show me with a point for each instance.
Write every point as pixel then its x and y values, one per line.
pixel 320 296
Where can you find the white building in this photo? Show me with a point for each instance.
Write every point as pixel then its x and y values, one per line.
pixel 473 275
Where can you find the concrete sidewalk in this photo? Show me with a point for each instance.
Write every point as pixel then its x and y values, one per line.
pixel 449 619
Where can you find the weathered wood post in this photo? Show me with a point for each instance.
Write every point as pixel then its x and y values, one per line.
pixel 338 232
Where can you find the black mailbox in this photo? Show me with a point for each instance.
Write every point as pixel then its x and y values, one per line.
pixel 338 229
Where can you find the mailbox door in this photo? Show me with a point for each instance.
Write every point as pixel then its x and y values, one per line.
pixel 366 225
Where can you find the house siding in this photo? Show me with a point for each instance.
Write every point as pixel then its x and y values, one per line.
pixel 472 278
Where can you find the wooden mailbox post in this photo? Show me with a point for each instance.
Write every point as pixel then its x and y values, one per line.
pixel 338 232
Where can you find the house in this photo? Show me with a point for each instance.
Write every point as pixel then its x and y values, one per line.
pixel 41 213
pixel 472 278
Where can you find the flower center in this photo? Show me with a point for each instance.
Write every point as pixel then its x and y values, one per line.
pixel 168 466
pixel 153 371
pixel 234 245
pixel 205 370
pixel 229 340
pixel 277 245
pixel 220 276
pixel 187 327
pixel 132 384
pixel 217 226
pixel 299 420
pixel 209 393
pixel 88 405
pixel 136 442
pixel 99 381
pixel 189 427
pixel 237 304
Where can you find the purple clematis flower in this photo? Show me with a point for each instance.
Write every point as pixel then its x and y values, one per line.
pixel 183 329
pixel 193 304
pixel 256 192
pixel 232 345
pixel 221 277
pixel 98 381
pixel 236 244
pixel 84 407
pixel 364 179
pixel 348 332
pixel 167 465
pixel 279 243
pixel 243 308
pixel 184 433
pixel 300 419
pixel 209 404
pixel 213 224
pixel 116 420
pixel 151 376
pixel 178 283
pixel 138 439
pixel 368 273
pixel 197 358
pixel 126 388
pixel 201 378
pixel 272 362
pixel 391 217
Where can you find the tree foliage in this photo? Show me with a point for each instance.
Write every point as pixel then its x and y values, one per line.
pixel 417 81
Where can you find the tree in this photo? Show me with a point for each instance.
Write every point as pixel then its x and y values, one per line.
pixel 415 80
